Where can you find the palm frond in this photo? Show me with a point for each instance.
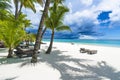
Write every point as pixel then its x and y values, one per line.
pixel 54 19
pixel 40 2
pixel 63 27
pixel 4 4
pixel 11 30
pixel 29 4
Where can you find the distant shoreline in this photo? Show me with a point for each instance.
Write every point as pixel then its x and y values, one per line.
pixel 97 42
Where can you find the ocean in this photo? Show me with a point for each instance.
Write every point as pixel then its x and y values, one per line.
pixel 105 42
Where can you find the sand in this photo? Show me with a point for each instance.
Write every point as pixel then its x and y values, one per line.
pixel 64 63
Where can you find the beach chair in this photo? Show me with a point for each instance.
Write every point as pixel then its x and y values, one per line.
pixel 24 46
pixel 92 52
pixel 82 50
pixel 23 52
pixel 88 51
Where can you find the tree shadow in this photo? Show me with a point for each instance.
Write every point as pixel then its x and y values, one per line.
pixel 28 63
pixel 3 50
pixel 5 60
pixel 79 70
pixel 10 78
pixel 104 70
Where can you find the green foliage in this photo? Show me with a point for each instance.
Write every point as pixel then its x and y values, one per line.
pixel 4 4
pixel 61 28
pixel 54 19
pixel 3 14
pixel 30 37
pixel 22 20
pixel 4 7
pixel 29 3
pixel 57 1
pixel 12 31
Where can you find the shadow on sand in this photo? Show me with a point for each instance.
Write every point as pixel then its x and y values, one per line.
pixel 5 60
pixel 81 71
pixel 78 70
pixel 13 78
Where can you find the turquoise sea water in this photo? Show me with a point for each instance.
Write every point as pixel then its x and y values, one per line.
pixel 112 43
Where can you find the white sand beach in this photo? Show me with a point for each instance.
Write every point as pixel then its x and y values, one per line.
pixel 64 63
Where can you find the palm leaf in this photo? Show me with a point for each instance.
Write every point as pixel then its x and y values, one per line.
pixel 11 30
pixel 64 27
pixel 54 19
pixel 40 2
pixel 4 4
pixel 29 4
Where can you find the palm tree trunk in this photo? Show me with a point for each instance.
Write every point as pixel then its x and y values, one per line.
pixel 21 5
pixel 39 33
pixel 16 9
pixel 43 32
pixel 10 52
pixel 42 35
pixel 51 43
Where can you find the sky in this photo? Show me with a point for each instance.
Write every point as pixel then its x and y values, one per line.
pixel 88 19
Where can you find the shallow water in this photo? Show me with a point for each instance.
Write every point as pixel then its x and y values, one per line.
pixel 113 43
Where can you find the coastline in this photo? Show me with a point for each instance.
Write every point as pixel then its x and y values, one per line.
pixel 99 42
pixel 65 63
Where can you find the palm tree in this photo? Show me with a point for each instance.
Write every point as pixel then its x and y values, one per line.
pixel 25 3
pixel 12 32
pixel 38 37
pixel 10 35
pixel 4 8
pixel 54 21
pixel 56 2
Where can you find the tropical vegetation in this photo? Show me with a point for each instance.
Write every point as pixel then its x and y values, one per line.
pixel 25 3
pixel 39 33
pixel 4 8
pixel 13 24
pixel 12 31
pixel 54 21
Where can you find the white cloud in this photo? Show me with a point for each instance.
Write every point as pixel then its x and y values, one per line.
pixel 86 37
pixel 78 16
pixel 72 18
pixel 94 10
pixel 70 7
pixel 111 5
pixel 86 2
pixel 108 5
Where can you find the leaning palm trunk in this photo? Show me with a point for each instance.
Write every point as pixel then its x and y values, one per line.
pixel 43 32
pixel 38 38
pixel 10 51
pixel 51 43
pixel 16 9
pixel 42 36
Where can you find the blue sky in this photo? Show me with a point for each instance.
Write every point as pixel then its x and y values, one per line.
pixel 88 19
